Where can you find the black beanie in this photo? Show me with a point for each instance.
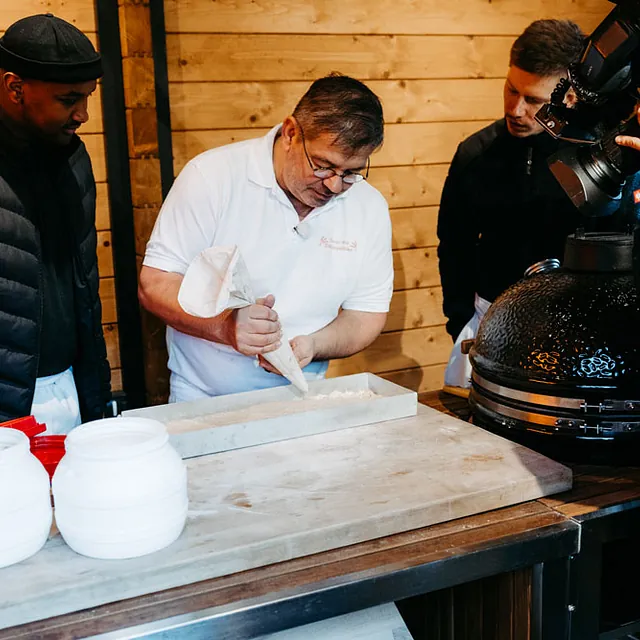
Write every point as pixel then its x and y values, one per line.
pixel 43 47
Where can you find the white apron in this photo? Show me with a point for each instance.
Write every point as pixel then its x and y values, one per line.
pixel 55 403
pixel 458 371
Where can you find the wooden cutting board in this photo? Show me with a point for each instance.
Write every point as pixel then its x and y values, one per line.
pixel 258 505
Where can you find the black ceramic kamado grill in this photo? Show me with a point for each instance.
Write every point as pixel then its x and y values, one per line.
pixel 556 361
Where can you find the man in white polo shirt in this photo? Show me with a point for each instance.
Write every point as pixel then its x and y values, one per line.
pixel 315 236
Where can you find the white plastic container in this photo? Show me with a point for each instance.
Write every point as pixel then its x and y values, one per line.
pixel 25 499
pixel 120 491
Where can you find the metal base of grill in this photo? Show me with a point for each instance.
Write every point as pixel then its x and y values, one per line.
pixel 601 431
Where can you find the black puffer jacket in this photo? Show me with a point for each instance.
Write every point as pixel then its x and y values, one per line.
pixel 21 278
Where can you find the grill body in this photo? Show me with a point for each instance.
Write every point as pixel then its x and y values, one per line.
pixel 556 361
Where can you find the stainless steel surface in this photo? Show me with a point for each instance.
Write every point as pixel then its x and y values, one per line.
pixel 531 398
pixel 246 619
pixel 528 416
pixel 544 266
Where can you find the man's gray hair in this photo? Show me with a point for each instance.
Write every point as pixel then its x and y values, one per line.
pixel 344 107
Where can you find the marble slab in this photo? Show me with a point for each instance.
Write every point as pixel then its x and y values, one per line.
pixel 259 505
pixel 248 419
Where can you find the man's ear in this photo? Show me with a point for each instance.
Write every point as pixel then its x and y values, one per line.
pixel 14 86
pixel 288 131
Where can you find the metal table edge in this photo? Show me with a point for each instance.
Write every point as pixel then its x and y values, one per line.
pixel 245 619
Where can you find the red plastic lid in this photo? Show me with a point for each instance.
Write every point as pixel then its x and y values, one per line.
pixel 27 425
pixel 53 443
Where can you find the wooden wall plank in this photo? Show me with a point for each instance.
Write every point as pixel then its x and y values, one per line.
pixel 423 142
pixel 203 57
pixel 116 379
pixel 415 268
pixel 81 13
pixel 105 254
pixel 414 227
pixel 234 105
pixel 415 308
pixel 472 17
pixel 108 299
pixel 416 186
pixel 103 217
pixel 408 186
pixel 95 123
pixel 112 341
pixel 95 146
pixel 399 350
pixel 419 379
pixel 404 144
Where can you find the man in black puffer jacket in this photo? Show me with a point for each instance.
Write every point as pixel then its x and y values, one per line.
pixel 53 360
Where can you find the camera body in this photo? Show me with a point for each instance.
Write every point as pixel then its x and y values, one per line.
pixel 605 81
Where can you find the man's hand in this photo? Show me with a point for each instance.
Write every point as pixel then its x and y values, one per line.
pixel 303 350
pixel 255 329
pixel 630 141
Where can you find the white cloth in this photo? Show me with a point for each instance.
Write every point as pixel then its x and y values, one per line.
pixel 458 371
pixel 230 196
pixel 55 403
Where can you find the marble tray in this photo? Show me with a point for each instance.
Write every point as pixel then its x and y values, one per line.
pixel 248 419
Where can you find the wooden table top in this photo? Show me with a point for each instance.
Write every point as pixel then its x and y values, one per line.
pixel 595 488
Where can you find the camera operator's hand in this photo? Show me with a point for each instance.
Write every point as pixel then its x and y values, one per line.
pixel 630 141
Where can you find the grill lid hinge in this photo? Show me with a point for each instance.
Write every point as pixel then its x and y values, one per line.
pixel 610 406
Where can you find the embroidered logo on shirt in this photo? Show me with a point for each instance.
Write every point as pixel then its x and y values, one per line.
pixel 338 245
pixel 636 196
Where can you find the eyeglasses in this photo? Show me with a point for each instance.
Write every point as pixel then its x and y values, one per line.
pixel 348 177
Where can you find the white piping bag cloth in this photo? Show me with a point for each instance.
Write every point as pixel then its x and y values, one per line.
pixel 217 279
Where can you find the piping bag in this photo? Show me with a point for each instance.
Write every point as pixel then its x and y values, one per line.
pixel 217 279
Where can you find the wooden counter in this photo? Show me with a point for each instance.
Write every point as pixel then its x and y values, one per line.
pixel 514 573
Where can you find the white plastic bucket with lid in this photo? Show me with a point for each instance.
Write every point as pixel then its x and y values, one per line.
pixel 120 491
pixel 25 499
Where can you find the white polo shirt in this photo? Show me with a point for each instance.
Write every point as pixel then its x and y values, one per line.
pixel 340 257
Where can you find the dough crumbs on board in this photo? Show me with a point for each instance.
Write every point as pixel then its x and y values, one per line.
pixel 271 410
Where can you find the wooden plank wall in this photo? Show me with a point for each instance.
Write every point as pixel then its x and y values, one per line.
pixel 237 67
pixel 82 14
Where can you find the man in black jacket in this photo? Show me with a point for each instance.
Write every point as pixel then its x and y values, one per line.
pixel 53 361
pixel 501 209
